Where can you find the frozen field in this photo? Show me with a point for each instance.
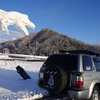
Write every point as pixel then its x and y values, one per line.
pixel 13 86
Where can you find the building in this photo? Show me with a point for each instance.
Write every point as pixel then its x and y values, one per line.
pixel 6 51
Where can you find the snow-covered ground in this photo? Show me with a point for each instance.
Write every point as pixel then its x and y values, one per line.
pixel 13 86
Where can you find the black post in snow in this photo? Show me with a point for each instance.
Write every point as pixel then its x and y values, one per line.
pixel 22 72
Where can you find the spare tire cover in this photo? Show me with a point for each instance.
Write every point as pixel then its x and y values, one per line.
pixel 55 79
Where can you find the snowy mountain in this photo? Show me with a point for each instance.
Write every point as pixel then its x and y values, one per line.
pixel 45 42
pixel 97 43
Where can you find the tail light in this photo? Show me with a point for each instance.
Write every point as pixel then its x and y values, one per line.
pixel 79 81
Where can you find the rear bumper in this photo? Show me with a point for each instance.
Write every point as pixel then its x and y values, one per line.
pixel 79 94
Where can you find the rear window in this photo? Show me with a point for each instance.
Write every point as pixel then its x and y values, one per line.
pixel 68 62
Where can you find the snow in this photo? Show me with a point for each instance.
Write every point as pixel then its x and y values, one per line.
pixel 13 86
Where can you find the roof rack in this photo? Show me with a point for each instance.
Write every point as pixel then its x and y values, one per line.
pixel 88 52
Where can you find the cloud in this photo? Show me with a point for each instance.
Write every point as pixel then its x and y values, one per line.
pixel 13 35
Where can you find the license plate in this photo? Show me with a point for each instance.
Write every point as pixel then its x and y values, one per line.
pixel 41 75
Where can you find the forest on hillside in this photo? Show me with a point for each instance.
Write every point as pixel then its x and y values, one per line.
pixel 45 42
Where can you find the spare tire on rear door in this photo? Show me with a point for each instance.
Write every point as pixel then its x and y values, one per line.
pixel 55 79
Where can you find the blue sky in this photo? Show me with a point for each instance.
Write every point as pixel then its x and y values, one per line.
pixel 79 19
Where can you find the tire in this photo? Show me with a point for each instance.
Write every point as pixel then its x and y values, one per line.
pixel 55 79
pixel 95 93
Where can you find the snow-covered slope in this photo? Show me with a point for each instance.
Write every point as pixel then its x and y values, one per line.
pixel 13 86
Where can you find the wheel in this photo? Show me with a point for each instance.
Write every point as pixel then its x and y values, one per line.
pixel 55 79
pixel 95 94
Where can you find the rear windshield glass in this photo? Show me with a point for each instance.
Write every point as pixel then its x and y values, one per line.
pixel 68 62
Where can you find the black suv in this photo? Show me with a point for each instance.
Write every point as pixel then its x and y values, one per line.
pixel 75 73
